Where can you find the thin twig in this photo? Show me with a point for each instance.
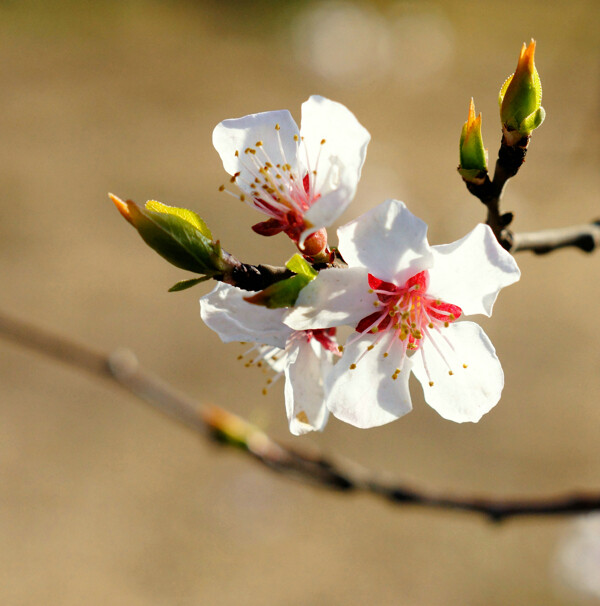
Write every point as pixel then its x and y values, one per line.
pixel 585 237
pixel 123 368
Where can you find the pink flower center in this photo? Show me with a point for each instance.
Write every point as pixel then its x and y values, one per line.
pixel 408 311
pixel 325 337
pixel 278 189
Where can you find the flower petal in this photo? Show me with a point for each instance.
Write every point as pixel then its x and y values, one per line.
pixel 233 319
pixel 338 161
pixel 389 241
pixel 335 297
pixel 477 379
pixel 367 395
pixel 471 271
pixel 304 394
pixel 239 134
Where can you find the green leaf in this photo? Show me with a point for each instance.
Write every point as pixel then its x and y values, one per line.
pixel 185 284
pixel 281 294
pixel 182 213
pixel 532 121
pixel 299 265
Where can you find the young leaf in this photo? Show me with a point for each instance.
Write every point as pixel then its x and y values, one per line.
pixel 185 284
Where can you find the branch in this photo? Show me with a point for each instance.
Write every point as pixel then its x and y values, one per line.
pixel 585 237
pixel 213 422
pixel 511 157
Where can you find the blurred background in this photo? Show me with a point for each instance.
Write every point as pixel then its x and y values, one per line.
pixel 103 501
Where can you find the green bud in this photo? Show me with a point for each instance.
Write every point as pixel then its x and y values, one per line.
pixel 285 292
pixel 178 235
pixel 520 98
pixel 473 155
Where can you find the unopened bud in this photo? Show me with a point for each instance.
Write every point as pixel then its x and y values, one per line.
pixel 473 155
pixel 520 98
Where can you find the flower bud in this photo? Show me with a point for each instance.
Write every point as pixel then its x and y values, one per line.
pixel 473 156
pixel 178 235
pixel 521 97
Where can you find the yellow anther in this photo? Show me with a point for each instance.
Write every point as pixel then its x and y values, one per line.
pixel 394 377
pixel 237 154
pixel 242 198
pixel 314 172
pixel 296 138
pixel 221 188
pixel 258 143
pixel 398 371
pixel 352 366
pixel 386 354
pixel 438 302
pixel 264 391
pixel 340 348
pixel 278 176
pixel 452 317
pixel 240 357
pixel 430 324
pixel 247 150
pixel 268 165
pixel 370 347
pixel 322 141
pixel 375 303
pixel 430 383
pixel 395 308
pixel 374 329
pixel 301 416
pixel 371 290
pixel 465 365
pixel 277 127
pixel 396 326
pixel 446 324
pixel 259 364
pixel 450 373
pixel 269 381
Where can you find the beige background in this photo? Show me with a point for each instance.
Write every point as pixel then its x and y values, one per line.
pixel 102 501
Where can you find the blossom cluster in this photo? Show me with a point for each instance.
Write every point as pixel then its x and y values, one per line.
pixel 402 298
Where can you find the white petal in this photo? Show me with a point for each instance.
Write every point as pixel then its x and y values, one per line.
pixel 304 395
pixel 471 271
pixel 239 134
pixel 338 161
pixel 335 297
pixel 469 392
pixel 389 241
pixel 367 396
pixel 225 311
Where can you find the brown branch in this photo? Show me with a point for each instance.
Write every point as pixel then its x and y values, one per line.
pixel 511 157
pixel 123 368
pixel 585 237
